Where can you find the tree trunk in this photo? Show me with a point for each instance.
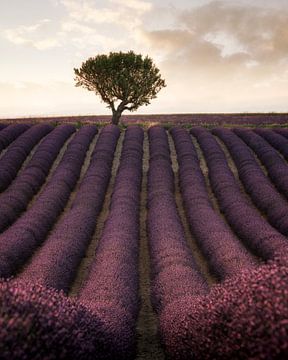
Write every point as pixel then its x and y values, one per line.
pixel 117 112
pixel 116 118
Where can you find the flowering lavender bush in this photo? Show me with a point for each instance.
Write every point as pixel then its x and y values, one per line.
pixel 240 319
pixel 19 241
pixel 174 272
pixel 259 187
pixel 10 133
pixel 223 250
pixel 111 289
pixel 56 263
pixel 281 131
pixel 246 221
pixel 274 163
pixel 41 323
pixel 17 152
pixel 16 198
pixel 275 139
pixel 243 319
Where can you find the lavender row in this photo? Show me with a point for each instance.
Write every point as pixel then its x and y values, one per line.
pixel 56 262
pixel 242 318
pixel 19 241
pixel 281 131
pixel 17 152
pixel 243 217
pixel 202 119
pixel 16 198
pixel 276 166
pixel 111 290
pixel 223 250
pixel 10 133
pixel 2 126
pixel 174 272
pixel 276 140
pixel 42 323
pixel 257 185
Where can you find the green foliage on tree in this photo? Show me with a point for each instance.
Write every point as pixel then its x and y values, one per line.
pixel 124 81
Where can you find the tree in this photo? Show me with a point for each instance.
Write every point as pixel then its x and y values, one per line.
pixel 124 81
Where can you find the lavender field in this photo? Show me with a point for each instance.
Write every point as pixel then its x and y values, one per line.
pixel 143 244
pixel 203 119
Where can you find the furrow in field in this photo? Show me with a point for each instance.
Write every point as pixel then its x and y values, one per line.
pixel 111 288
pixel 274 162
pixel 255 232
pixel 262 191
pixel 174 271
pixel 30 155
pixel 234 170
pixel 29 266
pixel 148 342
pixel 84 168
pixel 31 229
pixel 276 140
pixel 56 162
pixel 263 168
pixel 86 262
pixel 12 161
pixel 9 134
pixel 55 265
pixel 15 199
pixel 205 170
pixel 223 252
pixel 197 254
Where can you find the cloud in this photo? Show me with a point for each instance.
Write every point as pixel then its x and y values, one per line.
pixel 224 54
pixel 126 14
pixel 135 5
pixel 262 32
pixel 226 36
pixel 85 25
pixel 86 37
pixel 32 35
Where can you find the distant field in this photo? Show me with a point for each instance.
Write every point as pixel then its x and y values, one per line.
pixel 163 244
pixel 188 119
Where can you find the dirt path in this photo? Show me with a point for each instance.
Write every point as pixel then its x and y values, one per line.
pixel 86 262
pixel 148 342
pixel 197 254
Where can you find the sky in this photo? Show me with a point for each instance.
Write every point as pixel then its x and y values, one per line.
pixel 215 56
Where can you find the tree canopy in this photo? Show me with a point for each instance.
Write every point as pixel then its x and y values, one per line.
pixel 125 81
